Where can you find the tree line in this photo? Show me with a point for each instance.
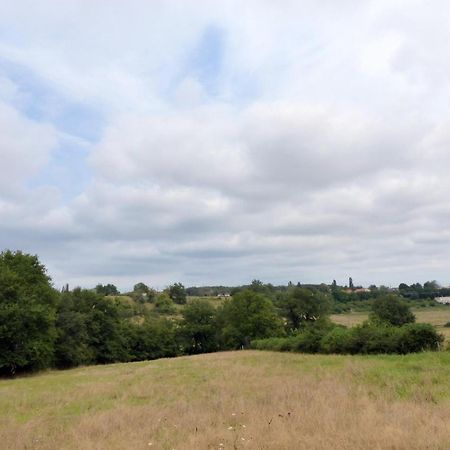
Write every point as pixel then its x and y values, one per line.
pixel 41 327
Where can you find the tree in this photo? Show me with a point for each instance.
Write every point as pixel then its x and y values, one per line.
pixel 257 286
pixel 142 293
pixel 302 305
pixel 431 285
pixel 108 289
pixel 72 344
pixel 141 288
pixel 154 338
pixel 198 329
pixel 177 293
pixel 105 330
pixel 248 315
pixel 27 313
pixel 392 310
pixel 164 304
pixel 350 283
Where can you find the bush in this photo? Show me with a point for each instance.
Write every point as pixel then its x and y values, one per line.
pixel 372 339
pixel 367 338
pixel 336 341
pixel 419 337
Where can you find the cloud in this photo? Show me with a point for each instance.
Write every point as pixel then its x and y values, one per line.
pixel 299 141
pixel 25 147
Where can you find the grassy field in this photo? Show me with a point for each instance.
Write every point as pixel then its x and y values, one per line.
pixel 437 316
pixel 234 400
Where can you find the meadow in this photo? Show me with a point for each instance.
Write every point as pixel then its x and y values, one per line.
pixel 437 316
pixel 234 400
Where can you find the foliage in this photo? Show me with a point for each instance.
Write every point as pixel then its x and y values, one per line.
pixel 141 288
pixel 142 293
pixel 41 328
pixel 177 293
pixel 391 309
pixel 418 337
pixel 72 345
pixel 27 314
pixel 155 338
pixel 248 315
pixel 90 330
pixel 301 305
pixel 108 289
pixel 164 304
pixel 198 329
pixel 368 338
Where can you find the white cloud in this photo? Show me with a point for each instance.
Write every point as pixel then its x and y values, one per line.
pixel 25 147
pixel 321 152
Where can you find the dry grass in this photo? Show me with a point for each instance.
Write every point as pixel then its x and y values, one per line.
pixel 234 400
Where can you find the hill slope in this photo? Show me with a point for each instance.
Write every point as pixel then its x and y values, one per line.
pixel 234 400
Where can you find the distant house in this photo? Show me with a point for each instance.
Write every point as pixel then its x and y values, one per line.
pixel 443 300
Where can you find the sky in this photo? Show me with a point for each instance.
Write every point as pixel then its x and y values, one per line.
pixel 215 142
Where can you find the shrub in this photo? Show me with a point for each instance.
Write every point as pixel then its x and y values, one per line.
pixel 368 338
pixel 336 341
pixel 419 337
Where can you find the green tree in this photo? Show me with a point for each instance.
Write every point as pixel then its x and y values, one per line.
pixel 142 293
pixel 248 315
pixel 27 313
pixel 154 338
pixel 108 289
pixel 72 347
pixel 431 285
pixel 164 304
pixel 302 305
pixel 198 329
pixel 392 310
pixel 350 283
pixel 177 293
pixel 141 288
pixel 105 328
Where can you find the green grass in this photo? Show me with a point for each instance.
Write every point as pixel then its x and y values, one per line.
pixel 98 387
pixel 166 401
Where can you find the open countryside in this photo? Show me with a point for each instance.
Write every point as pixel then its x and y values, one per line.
pixel 438 316
pixel 224 225
pixel 234 400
